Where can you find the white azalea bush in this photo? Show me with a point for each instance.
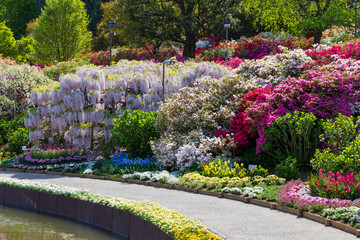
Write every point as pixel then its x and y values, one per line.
pixel 205 106
pixel 83 105
pixel 177 151
pixel 272 69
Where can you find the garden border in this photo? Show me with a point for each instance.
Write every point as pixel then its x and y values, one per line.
pixel 121 223
pixel 263 203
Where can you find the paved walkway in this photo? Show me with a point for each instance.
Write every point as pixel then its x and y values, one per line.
pixel 233 220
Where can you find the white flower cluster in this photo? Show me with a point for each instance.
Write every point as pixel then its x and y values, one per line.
pixel 273 69
pixel 205 106
pixel 157 176
pixel 252 192
pixel 184 151
pixel 235 190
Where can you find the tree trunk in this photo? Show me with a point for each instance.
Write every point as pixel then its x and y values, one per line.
pixel 190 45
pixel 317 36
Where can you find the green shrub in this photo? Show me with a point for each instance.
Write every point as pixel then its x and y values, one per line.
pixel 7 127
pixel 134 131
pixel 288 169
pixel 342 141
pixel 7 41
pixel 18 139
pixel 294 135
pixel 55 71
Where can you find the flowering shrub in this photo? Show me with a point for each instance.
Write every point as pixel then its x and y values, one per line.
pixel 350 50
pixel 240 129
pixel 219 168
pixel 235 190
pixel 102 58
pixel 341 140
pixel 252 192
pixel 58 160
pixel 7 61
pixel 331 185
pixel 5 155
pixel 271 70
pixel 83 105
pixel 176 151
pixel 205 106
pixel 296 194
pixel 324 91
pixel 17 82
pixel 47 152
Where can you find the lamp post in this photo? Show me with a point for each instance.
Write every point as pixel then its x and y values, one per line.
pixel 111 25
pixel 227 27
pixel 18 43
pixel 163 80
pixel 354 4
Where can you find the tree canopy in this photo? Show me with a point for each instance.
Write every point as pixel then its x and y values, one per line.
pixel 61 30
pixel 182 21
pixel 307 17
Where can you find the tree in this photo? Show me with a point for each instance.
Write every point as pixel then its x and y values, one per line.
pixel 17 14
pixel 182 21
pixel 125 29
pixel 7 41
pixel 307 17
pixel 61 30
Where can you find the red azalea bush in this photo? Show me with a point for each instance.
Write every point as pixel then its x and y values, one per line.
pixel 350 50
pixel 331 185
pixel 102 58
pixel 240 128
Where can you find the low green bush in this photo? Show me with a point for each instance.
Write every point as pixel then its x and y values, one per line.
pixel 134 131
pixel 294 135
pixel 18 139
pixel 342 141
pixel 55 71
pixel 288 169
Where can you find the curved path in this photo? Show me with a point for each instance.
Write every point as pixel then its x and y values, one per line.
pixel 232 220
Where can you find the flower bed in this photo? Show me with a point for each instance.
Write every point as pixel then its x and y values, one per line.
pixel 170 221
pixel 76 158
pixel 296 194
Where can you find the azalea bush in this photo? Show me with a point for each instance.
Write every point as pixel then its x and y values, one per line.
pixel 324 91
pixel 335 185
pixel 17 82
pixel 271 70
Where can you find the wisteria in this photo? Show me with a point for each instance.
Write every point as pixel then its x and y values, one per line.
pixel 82 105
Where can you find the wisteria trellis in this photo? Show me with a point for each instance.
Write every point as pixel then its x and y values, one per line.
pixel 82 105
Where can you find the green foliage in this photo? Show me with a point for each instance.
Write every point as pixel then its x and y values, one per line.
pixel 294 135
pixel 7 41
pixel 18 139
pixel 342 142
pixel 8 127
pixel 27 49
pixel 190 20
pixel 134 131
pixel 17 13
pixel 270 193
pixel 61 30
pixel 298 16
pixel 55 71
pixel 288 169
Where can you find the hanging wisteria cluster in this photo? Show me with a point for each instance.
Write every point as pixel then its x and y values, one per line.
pixel 82 105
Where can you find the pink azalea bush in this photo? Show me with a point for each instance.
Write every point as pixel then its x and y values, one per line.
pixel 324 91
